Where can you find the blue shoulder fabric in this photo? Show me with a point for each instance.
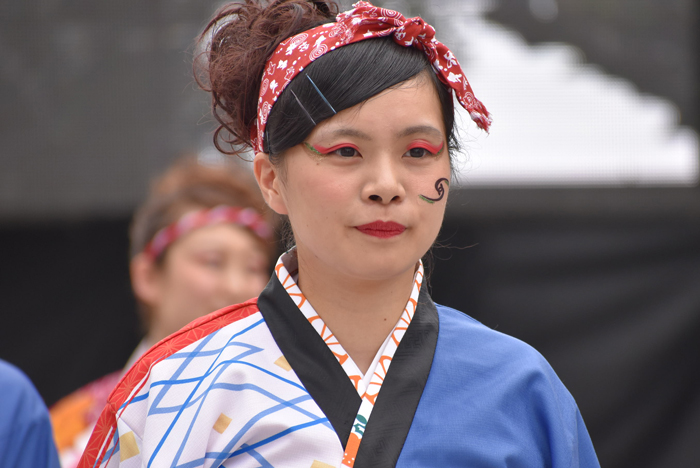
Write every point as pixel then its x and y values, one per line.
pixel 26 439
pixel 493 401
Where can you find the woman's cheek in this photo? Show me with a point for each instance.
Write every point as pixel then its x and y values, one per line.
pixel 322 185
pixel 202 281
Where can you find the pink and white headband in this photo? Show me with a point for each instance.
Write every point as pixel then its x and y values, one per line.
pixel 246 217
pixel 364 21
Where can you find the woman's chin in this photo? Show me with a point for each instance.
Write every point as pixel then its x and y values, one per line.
pixel 380 268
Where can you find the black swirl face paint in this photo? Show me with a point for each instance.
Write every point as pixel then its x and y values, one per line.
pixel 440 190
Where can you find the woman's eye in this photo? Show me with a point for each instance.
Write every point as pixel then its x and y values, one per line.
pixel 418 152
pixel 346 152
pixel 214 262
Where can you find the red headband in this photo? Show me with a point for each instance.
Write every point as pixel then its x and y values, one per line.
pixel 246 217
pixel 364 21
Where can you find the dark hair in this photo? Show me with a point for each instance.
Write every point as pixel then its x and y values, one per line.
pixel 243 36
pixel 347 76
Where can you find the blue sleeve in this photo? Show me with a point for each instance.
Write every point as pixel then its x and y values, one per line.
pixel 26 438
pixel 492 400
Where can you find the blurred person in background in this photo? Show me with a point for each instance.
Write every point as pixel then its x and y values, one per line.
pixel 200 241
pixel 26 440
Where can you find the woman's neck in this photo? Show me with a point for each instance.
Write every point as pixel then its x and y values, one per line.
pixel 361 313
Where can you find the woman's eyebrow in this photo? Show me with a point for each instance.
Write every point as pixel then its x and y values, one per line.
pixel 420 129
pixel 351 132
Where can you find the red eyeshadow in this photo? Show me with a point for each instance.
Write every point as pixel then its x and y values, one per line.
pixel 424 144
pixel 324 150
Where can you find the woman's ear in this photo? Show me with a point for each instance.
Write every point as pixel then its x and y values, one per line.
pixel 270 183
pixel 145 280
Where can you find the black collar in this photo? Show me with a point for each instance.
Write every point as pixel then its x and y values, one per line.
pixel 329 386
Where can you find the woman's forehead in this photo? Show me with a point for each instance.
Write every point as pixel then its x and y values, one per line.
pixel 399 112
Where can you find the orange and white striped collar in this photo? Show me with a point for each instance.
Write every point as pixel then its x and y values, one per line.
pixel 286 270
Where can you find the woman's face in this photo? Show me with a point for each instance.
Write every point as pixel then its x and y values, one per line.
pixel 205 270
pixel 375 162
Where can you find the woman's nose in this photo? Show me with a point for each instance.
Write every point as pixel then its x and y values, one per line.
pixel 384 185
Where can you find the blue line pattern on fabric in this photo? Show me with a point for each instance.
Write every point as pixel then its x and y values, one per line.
pixel 188 388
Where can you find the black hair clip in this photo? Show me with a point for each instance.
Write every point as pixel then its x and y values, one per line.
pixel 321 94
pixel 302 107
pixel 266 141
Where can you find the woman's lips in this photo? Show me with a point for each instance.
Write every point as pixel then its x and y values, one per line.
pixel 382 229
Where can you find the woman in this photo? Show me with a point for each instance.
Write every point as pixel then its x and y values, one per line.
pixel 199 242
pixel 343 360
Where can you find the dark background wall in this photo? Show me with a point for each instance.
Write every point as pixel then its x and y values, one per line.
pixel 96 98
pixel 68 315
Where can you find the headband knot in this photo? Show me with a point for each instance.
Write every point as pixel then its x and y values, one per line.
pixel 416 32
pixel 364 21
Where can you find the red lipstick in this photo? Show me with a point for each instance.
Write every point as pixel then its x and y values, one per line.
pixel 382 229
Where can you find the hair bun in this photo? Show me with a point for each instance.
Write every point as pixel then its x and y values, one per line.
pixel 325 8
pixel 238 42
